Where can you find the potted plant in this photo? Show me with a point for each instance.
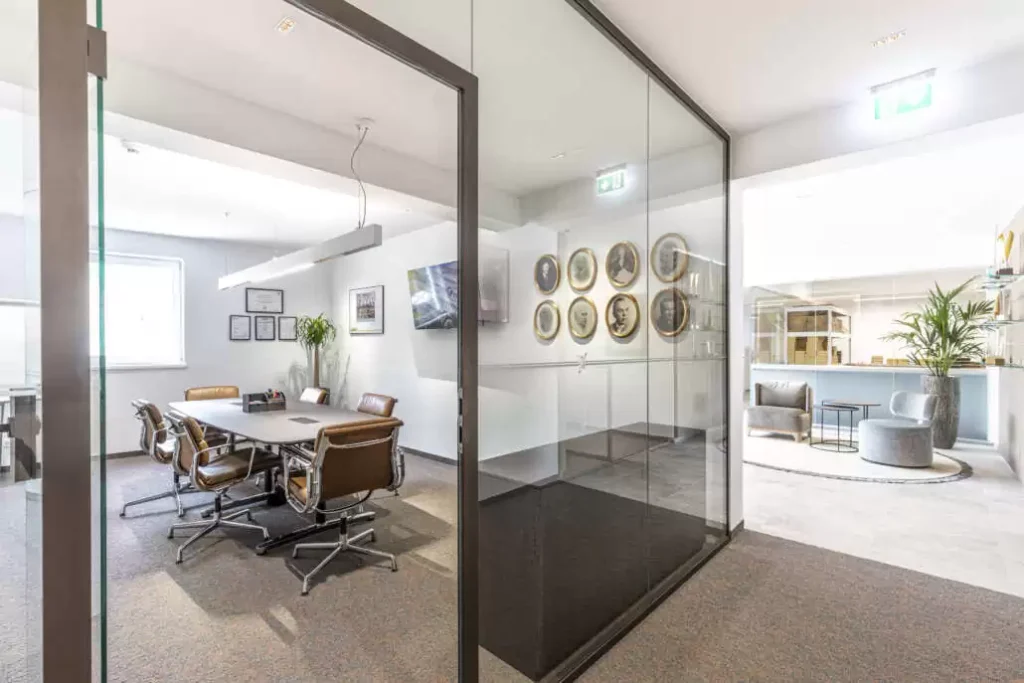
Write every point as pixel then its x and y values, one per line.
pixel 314 334
pixel 942 334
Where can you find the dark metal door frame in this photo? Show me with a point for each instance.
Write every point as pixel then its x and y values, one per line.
pixel 375 33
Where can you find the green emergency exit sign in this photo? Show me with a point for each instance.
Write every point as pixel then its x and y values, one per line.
pixel 611 180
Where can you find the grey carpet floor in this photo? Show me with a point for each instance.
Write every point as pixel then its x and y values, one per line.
pixel 764 609
pixel 767 609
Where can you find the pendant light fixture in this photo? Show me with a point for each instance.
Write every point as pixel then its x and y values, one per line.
pixel 363 237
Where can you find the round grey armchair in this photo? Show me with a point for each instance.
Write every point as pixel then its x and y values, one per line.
pixel 904 440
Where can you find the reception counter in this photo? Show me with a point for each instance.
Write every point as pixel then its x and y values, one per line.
pixel 876 384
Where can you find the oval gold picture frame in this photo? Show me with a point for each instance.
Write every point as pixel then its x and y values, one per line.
pixel 586 286
pixel 582 301
pixel 558 273
pixel 655 315
pixel 622 284
pixel 680 267
pixel 549 303
pixel 608 315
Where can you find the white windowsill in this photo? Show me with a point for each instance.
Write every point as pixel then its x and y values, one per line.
pixel 142 367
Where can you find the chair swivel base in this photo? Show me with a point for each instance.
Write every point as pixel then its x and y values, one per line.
pixel 311 530
pixel 346 544
pixel 177 490
pixel 219 520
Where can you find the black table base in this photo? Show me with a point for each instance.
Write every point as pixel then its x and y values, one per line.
pixel 837 445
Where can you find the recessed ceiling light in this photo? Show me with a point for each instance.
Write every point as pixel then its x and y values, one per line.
pixel 560 155
pixel 891 38
pixel 286 25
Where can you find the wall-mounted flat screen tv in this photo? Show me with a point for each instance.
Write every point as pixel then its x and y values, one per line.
pixel 434 291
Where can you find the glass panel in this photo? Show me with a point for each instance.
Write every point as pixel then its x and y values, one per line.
pixel 97 304
pixel 565 420
pixel 20 404
pixel 240 149
pixel 688 350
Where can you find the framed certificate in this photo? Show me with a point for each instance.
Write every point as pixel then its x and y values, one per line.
pixel 286 328
pixel 266 328
pixel 264 300
pixel 239 327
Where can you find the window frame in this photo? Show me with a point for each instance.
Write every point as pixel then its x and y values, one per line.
pixel 128 367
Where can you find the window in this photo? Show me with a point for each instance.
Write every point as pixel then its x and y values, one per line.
pixel 144 304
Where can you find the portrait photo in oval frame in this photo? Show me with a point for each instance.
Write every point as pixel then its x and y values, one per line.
pixel 670 312
pixel 581 270
pixel 622 265
pixel 670 257
pixel 547 320
pixel 583 319
pixel 546 274
pixel 622 315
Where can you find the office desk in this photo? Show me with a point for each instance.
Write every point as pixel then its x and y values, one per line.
pixel 298 423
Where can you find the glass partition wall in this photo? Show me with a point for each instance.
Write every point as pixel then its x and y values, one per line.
pixel 553 325
pixel 603 399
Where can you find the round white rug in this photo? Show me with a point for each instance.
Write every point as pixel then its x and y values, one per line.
pixel 782 453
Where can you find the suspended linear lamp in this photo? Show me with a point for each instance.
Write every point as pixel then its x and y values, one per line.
pixel 366 237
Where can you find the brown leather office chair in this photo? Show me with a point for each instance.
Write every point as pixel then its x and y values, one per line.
pixel 376 404
pixel 356 458
pixel 314 395
pixel 216 469
pixel 211 393
pixel 156 440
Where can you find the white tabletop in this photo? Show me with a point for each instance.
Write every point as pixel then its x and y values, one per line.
pixel 276 427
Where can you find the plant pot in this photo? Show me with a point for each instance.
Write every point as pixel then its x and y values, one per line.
pixel 946 421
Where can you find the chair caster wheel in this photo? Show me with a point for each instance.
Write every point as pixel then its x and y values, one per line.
pixel 170 534
pixel 177 561
pixel 261 552
pixel 394 569
pixel 122 514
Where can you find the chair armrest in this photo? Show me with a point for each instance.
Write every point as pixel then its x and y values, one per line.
pixel 808 399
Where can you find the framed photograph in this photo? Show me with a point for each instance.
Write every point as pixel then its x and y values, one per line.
pixel 264 300
pixel 239 327
pixel 546 320
pixel 622 315
pixel 582 318
pixel 622 264
pixel 669 257
pixel 582 270
pixel 366 310
pixel 286 328
pixel 670 312
pixel 546 274
pixel 266 327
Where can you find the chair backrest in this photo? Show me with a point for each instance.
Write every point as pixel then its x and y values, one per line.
pixel 313 395
pixel 190 443
pixel 210 393
pixel 913 406
pixel 153 429
pixel 783 395
pixel 377 404
pixel 357 457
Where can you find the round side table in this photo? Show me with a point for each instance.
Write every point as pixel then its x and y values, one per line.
pixel 838 445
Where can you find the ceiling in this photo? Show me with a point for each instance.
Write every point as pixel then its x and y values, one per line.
pixel 551 86
pixel 937 210
pixel 752 63
pixel 158 191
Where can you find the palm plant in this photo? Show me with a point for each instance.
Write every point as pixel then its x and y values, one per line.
pixel 944 332
pixel 314 334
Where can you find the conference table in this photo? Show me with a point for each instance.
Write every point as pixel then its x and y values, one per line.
pixel 297 424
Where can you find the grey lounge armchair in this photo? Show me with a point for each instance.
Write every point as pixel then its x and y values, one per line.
pixel 782 408
pixel 904 440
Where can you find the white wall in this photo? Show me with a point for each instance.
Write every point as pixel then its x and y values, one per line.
pixel 209 356
pixel 419 366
